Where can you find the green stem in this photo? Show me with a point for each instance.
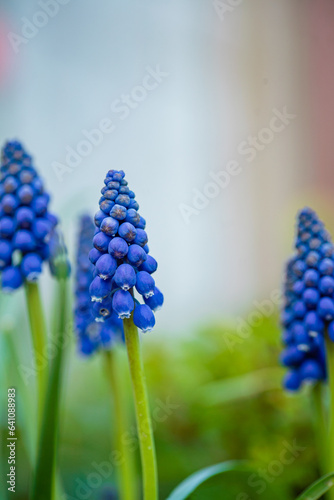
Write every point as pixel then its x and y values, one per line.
pixel 320 425
pixel 144 424
pixel 330 367
pixel 39 338
pixel 126 476
pixel 44 479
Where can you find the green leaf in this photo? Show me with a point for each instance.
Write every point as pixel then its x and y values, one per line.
pixel 190 484
pixel 318 488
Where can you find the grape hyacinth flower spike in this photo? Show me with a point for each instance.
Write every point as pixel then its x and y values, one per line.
pixel 308 320
pixel 124 267
pixel 99 329
pixel 25 229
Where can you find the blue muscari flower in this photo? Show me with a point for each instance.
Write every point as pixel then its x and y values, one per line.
pixel 96 324
pixel 120 238
pixel 308 312
pixel 25 222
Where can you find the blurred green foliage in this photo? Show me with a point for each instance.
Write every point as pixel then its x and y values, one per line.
pixel 212 400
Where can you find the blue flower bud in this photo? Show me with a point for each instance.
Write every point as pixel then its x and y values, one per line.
pixel 118 248
pixel 150 265
pixel 106 266
pixel 123 199
pixel 136 255
pixel 145 284
pixel 125 277
pixel 31 266
pixel 111 194
pixel 118 212
pixel 311 278
pixel 326 285
pixel 141 237
pixel 11 279
pixel 132 216
pixel 98 218
pixel 109 225
pixel 133 204
pixel 122 304
pixel 41 229
pixel 326 266
pixel 24 217
pixel 99 289
pixel 292 380
pixel 5 253
pixel 7 227
pixel 9 204
pixel 101 241
pixel 311 297
pixel 26 194
pixel 292 356
pixel 156 300
pixel 143 318
pixel 94 255
pixel 10 184
pixel 326 308
pixel 106 206
pixel 312 259
pixel 311 370
pixel 23 240
pixel 127 231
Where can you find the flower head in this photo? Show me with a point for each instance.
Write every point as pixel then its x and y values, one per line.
pixel 95 322
pixel 308 312
pixel 121 255
pixel 25 221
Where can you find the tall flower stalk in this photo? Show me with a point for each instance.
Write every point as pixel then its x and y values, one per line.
pixel 308 321
pixel 122 266
pixel 99 329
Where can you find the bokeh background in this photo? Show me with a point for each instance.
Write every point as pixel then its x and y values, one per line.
pixel 229 67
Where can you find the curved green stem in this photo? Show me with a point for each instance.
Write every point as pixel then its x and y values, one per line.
pixel 144 424
pixel 39 338
pixel 126 476
pixel 330 367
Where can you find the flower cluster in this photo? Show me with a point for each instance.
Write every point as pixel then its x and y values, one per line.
pixel 308 313
pixel 121 257
pixel 92 334
pixel 25 222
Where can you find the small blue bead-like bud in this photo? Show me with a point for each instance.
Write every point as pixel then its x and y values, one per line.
pixel 25 194
pixel 94 255
pixel 118 248
pixel 106 206
pixel 143 318
pixel 155 301
pixel 136 255
pixel 101 241
pixel 7 227
pixel 132 216
pixel 313 322
pixel 9 204
pixel 98 218
pixel 299 309
pixel 31 266
pixel 23 240
pixel 123 199
pixel 292 356
pixel 5 253
pixel 145 284
pixel 311 370
pixel 125 277
pixel 106 266
pixel 99 289
pixel 123 304
pixel 326 266
pixel 141 237
pixel 142 223
pixel 150 265
pixel 109 226
pixel 118 212
pixel 111 194
pixel 326 285
pixel 127 231
pixel 292 380
pixel 11 279
pixel 311 297
pixel 326 308
pixel 25 217
pixel 311 278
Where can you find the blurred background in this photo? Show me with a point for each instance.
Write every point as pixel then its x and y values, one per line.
pixel 221 114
